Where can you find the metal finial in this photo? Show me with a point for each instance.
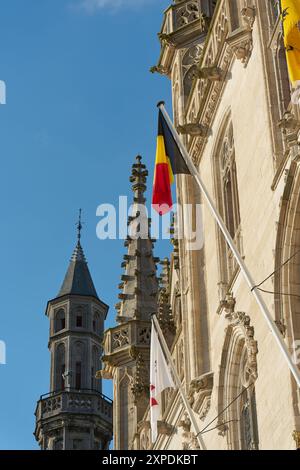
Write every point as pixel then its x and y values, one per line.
pixel 79 226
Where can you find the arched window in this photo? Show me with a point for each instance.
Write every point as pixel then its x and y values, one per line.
pixel 236 400
pixel 226 190
pixel 126 413
pixel 97 323
pixel 59 320
pixel 77 370
pixel 287 275
pixel 60 366
pixel 79 317
pixel 282 76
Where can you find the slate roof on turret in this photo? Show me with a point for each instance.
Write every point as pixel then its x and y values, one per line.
pixel 78 280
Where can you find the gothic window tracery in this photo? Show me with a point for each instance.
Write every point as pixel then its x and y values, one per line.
pixel 238 373
pixel 227 195
pixel 277 75
pixel 190 59
pixel 125 413
pixel 59 321
pixel 188 13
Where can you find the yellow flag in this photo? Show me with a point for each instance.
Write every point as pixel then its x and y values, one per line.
pixel 291 27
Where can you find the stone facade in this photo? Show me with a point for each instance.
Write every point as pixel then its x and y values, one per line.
pixel 232 105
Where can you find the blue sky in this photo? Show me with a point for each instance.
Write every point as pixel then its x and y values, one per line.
pixel 81 104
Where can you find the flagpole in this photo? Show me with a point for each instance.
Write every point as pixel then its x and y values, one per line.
pixel 260 301
pixel 178 383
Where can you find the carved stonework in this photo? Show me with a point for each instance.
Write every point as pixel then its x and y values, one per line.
pixel 205 408
pixel 140 383
pixel 166 39
pixel 242 46
pixel 296 437
pixel 144 430
pixel 209 94
pixel 228 305
pixel 106 373
pixel 189 62
pixel 164 428
pixel 199 394
pixel 164 314
pixel 185 423
pixel 250 367
pixel 193 129
pixel 120 338
pixel 212 73
pixel 290 127
pixel 159 69
pixel 175 242
pixel 189 439
pixel 248 17
pixel 188 13
pixel 144 335
pixel 241 42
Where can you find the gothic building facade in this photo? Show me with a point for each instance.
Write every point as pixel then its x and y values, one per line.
pixel 75 415
pixel 232 105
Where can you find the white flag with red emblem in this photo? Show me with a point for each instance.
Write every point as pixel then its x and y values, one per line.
pixel 160 379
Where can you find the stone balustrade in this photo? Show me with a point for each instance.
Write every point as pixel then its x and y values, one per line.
pixel 74 401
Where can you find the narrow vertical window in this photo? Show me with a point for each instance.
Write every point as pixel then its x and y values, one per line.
pixel 78 376
pixel 59 362
pixel 226 188
pixel 59 321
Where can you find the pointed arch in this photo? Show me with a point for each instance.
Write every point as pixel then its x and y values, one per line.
pixel 78 359
pixel 238 373
pixel 60 366
pixel 227 198
pixel 59 320
pixel 287 277
pixel 125 413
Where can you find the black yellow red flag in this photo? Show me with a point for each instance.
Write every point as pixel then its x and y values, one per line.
pixel 169 162
pixel 290 12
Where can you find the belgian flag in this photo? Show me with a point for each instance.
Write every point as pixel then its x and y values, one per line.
pixel 169 162
pixel 291 25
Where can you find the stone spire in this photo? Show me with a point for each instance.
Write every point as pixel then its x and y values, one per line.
pixel 127 346
pixel 139 284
